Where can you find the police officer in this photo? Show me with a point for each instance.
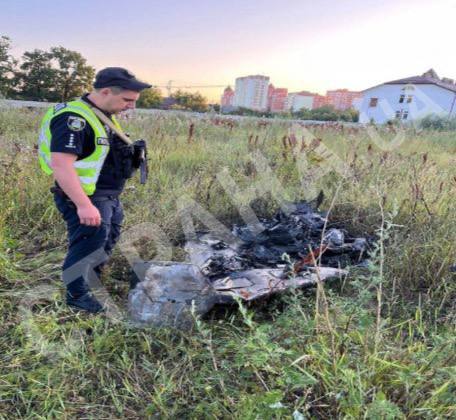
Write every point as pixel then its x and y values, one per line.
pixel 90 165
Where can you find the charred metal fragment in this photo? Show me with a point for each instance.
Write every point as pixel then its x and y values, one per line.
pixel 297 248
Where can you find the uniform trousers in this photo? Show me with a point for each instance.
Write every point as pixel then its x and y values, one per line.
pixel 89 247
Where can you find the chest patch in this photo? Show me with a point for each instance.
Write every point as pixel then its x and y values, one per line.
pixel 103 141
pixel 76 123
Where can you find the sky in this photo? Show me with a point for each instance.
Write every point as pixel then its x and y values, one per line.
pixel 299 44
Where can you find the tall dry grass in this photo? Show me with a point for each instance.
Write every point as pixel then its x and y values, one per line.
pixel 379 344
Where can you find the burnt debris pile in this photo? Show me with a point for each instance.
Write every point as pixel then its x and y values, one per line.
pixel 301 237
pixel 295 248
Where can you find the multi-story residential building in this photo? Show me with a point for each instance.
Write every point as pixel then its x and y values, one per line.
pixel 271 89
pixel 319 101
pixel 277 98
pixel 409 99
pixel 255 92
pixel 252 92
pixel 299 100
pixel 342 99
pixel 227 100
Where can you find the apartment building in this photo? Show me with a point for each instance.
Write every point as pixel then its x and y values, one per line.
pixel 252 92
pixel 342 99
pixel 277 99
pixel 299 100
pixel 227 99
pixel 319 101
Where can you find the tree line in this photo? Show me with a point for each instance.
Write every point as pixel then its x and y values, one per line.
pixel 57 75
pixel 60 75
pixel 324 113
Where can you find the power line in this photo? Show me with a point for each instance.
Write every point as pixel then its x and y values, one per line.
pixel 169 86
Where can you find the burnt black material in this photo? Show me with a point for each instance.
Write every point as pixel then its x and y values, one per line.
pixel 289 237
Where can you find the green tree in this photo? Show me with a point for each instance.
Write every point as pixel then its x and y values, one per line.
pixel 303 114
pixel 191 101
pixel 247 112
pixel 73 75
pixel 36 78
pixel 56 75
pixel 324 113
pixel 328 113
pixel 149 98
pixel 353 114
pixel 7 67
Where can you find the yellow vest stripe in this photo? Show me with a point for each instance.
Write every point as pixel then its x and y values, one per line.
pixel 89 168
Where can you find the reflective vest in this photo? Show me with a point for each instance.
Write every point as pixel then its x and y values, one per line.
pixel 89 168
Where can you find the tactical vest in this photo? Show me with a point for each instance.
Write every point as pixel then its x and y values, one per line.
pixel 89 168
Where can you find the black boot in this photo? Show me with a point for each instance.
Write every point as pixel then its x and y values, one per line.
pixel 86 302
pixel 134 280
pixel 138 274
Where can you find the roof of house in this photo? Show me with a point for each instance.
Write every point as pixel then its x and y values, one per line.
pixel 428 78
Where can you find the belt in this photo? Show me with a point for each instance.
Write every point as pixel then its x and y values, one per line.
pixel 98 196
pixel 102 195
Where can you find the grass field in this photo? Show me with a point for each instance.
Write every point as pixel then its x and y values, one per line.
pixel 379 345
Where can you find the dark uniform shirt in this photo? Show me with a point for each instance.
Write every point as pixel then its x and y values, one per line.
pixel 72 134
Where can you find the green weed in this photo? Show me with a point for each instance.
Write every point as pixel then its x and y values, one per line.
pixel 378 345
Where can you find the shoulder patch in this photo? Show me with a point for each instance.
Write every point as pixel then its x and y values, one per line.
pixel 58 107
pixel 76 123
pixel 103 141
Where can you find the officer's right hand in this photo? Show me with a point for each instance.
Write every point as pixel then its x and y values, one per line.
pixel 89 215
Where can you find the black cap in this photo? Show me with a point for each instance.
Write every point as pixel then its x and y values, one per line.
pixel 117 76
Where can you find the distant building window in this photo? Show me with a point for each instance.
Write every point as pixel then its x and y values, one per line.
pixel 398 114
pixel 401 99
pixel 405 115
pixel 373 102
pixel 409 99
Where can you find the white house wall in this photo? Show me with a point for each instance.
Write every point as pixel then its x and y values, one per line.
pixel 426 99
